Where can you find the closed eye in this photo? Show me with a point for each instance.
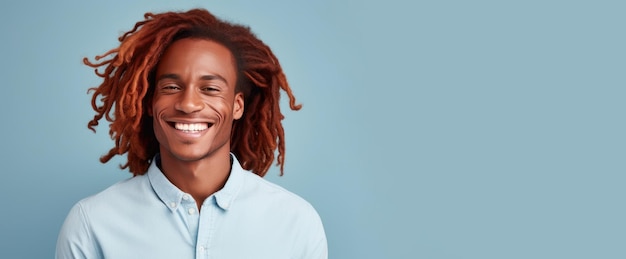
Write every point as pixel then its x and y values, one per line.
pixel 170 88
pixel 209 89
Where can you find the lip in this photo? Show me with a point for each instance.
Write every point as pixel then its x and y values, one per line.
pixel 190 134
pixel 188 120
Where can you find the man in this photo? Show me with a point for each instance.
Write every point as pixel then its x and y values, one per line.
pixel 193 104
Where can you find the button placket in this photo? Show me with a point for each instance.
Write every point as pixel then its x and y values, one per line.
pixel 189 211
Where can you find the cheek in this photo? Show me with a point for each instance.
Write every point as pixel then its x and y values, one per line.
pixel 157 107
pixel 221 107
pixel 157 113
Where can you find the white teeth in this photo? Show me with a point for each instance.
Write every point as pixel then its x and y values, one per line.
pixel 191 126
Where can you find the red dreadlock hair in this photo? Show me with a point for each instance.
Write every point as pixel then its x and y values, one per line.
pixel 129 82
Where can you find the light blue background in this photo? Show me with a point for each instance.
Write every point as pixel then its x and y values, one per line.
pixel 430 129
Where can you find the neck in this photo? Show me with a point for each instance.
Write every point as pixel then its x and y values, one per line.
pixel 200 178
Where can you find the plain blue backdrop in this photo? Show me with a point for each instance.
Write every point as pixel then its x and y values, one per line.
pixel 429 129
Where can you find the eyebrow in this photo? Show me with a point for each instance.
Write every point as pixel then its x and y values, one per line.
pixel 204 77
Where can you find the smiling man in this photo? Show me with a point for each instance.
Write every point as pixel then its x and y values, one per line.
pixel 193 109
pixel 192 102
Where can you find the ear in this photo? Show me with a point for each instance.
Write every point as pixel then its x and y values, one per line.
pixel 238 106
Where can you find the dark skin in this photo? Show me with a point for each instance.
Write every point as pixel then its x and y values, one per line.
pixel 193 109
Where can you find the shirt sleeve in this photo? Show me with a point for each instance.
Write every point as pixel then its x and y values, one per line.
pixel 75 239
pixel 317 247
pixel 320 250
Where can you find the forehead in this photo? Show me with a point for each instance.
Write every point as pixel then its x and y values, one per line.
pixel 197 57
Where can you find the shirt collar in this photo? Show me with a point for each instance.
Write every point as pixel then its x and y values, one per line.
pixel 226 196
pixel 171 196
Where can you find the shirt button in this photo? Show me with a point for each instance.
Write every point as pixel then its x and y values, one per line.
pixel 191 211
pixel 186 197
pixel 173 204
pixel 202 249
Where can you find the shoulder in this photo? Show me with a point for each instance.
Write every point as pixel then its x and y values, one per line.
pixel 287 214
pixel 259 188
pixel 246 186
pixel 77 236
pixel 116 194
pixel 267 200
pixel 94 212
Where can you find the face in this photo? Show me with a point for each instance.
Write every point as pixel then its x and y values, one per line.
pixel 194 103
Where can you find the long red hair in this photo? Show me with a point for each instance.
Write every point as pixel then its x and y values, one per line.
pixel 128 82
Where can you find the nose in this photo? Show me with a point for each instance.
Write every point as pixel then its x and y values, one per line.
pixel 190 101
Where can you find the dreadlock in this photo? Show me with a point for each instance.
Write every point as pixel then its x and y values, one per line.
pixel 128 82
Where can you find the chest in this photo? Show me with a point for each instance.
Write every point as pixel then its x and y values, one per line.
pixel 212 233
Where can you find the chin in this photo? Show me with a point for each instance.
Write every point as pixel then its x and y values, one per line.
pixel 190 157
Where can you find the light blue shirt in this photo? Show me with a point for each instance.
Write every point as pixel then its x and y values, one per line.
pixel 148 217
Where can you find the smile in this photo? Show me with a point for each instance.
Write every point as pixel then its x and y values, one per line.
pixel 191 127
